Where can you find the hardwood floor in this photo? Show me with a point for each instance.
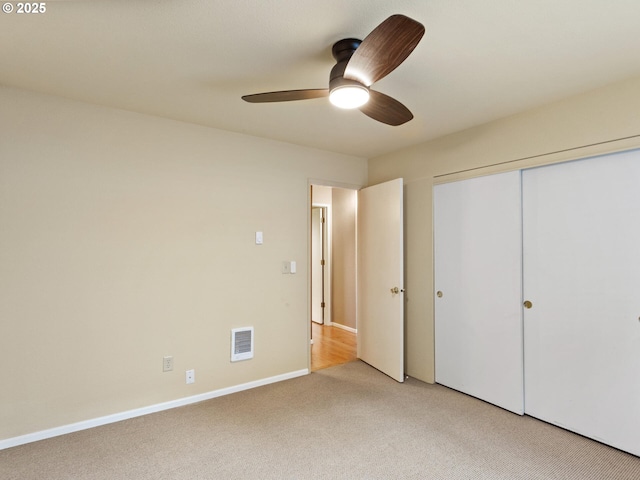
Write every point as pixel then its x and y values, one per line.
pixel 331 346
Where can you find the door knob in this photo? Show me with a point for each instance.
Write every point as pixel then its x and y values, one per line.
pixel 439 294
pixel 527 304
pixel 396 290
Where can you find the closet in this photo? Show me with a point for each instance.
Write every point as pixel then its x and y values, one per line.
pixel 537 308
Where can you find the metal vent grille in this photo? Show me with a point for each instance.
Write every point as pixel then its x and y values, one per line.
pixel 241 343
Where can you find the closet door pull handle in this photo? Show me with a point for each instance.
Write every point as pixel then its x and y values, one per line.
pixel 527 304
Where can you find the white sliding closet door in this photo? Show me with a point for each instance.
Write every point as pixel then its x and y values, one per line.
pixel 478 276
pixel 582 275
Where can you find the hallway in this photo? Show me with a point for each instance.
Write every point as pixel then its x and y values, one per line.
pixel 331 346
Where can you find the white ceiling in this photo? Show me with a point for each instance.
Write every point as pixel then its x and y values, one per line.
pixel 192 61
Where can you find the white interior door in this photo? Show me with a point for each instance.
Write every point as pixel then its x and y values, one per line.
pixel 380 316
pixel 478 278
pixel 582 275
pixel 317 266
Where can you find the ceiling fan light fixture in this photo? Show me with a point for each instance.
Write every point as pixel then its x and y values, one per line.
pixel 360 64
pixel 349 96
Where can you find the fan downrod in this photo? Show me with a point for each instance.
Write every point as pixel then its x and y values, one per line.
pixel 343 49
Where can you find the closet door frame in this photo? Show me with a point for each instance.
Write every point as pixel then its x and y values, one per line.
pixel 621 430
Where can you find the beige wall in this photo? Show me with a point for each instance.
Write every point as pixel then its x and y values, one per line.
pixel 343 245
pixel 596 122
pixel 124 238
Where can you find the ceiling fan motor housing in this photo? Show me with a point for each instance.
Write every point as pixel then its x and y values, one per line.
pixel 342 52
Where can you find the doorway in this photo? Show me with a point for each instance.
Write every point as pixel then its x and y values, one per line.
pixel 333 276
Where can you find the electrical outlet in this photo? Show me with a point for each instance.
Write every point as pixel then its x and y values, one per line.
pixel 167 363
pixel 191 376
pixel 286 267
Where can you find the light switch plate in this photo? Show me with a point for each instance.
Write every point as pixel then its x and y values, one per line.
pixel 293 266
pixel 259 238
pixel 286 267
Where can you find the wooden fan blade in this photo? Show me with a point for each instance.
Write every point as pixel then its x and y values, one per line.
pixel 286 95
pixel 385 109
pixel 386 47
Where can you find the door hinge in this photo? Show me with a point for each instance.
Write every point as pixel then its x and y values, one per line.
pixel 322 262
pixel 322 305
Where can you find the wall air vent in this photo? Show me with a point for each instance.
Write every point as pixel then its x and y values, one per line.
pixel 241 343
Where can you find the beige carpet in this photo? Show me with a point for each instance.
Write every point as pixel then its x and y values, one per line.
pixel 345 422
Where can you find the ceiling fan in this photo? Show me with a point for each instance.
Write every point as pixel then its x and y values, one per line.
pixel 361 63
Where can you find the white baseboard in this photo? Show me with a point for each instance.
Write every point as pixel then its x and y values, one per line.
pixel 344 327
pixel 138 412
